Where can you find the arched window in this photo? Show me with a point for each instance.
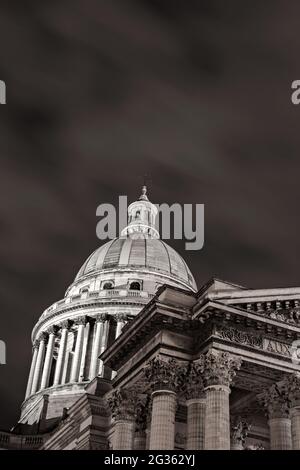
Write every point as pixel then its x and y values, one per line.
pixel 83 290
pixel 135 286
pixel 108 285
pixel 137 214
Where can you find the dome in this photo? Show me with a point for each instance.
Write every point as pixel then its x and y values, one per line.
pixel 141 253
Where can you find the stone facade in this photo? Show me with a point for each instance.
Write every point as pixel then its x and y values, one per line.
pixel 161 366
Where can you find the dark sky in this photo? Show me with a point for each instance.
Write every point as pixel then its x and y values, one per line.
pixel 196 94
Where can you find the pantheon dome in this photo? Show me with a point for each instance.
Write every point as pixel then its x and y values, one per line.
pixel 113 285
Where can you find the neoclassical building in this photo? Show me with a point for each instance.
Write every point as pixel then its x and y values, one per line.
pixel 136 357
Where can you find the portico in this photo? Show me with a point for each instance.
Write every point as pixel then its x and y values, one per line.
pixel 219 373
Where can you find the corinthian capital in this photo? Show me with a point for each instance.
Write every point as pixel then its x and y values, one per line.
pixel 122 404
pixel 291 385
pixel 275 401
pixel 65 325
pixel 162 373
pixel 191 381
pixel 219 368
pixel 121 317
pixel 80 321
pixel 101 317
pixel 52 330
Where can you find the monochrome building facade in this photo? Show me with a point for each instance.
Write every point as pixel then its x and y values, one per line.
pixel 135 357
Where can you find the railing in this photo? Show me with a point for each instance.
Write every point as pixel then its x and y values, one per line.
pixel 98 295
pixel 18 441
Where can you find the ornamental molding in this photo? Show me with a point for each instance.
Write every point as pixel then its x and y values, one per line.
pixel 275 401
pixel 163 374
pixel 190 381
pixel 281 311
pixel 219 368
pixel 122 403
pixel 80 321
pixel 240 337
pixel 101 317
pixel 52 330
pixel 100 302
pixel 65 325
pixel 291 385
pixel 120 317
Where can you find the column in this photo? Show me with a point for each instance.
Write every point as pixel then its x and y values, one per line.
pixel 39 364
pixel 81 322
pixel 193 389
pixel 292 386
pixel 219 369
pixel 161 373
pixel 48 358
pixel 275 402
pixel 32 369
pixel 103 343
pixel 86 339
pixel 122 403
pixel 121 320
pixel 295 422
pixel 61 352
pixel 99 330
pixel 239 432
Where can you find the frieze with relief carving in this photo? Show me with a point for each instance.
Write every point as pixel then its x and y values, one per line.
pixel 240 337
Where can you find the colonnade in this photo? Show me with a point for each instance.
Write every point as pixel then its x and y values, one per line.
pixel 282 406
pixel 52 356
pixel 205 385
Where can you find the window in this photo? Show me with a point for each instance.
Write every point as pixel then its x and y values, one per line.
pixel 108 285
pixel 135 286
pixel 137 214
pixel 83 290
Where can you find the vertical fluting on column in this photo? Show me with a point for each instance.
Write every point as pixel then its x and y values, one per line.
pixel 292 386
pixel 275 402
pixel 39 364
pixel 32 369
pixel 162 375
pixel 217 422
pixel 81 322
pixel 239 432
pixel 48 358
pixel 219 369
pixel 99 330
pixel 122 404
pixel 193 391
pixel 280 433
pixel 195 423
pixel 295 422
pixel 83 359
pixel 61 352
pixel 162 432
